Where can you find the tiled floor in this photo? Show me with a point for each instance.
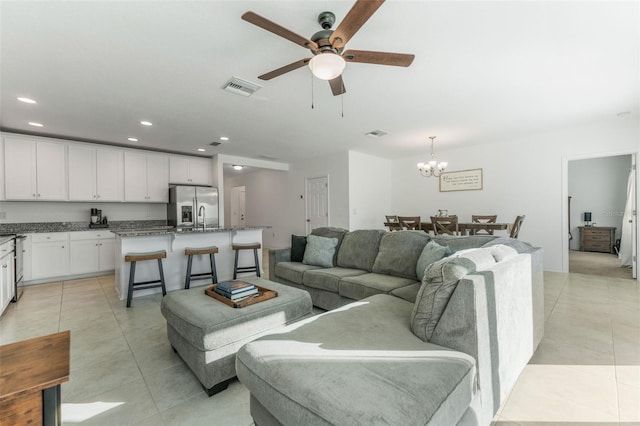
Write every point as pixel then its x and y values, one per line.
pixel 123 371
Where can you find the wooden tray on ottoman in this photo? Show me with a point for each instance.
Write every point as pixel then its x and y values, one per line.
pixel 263 294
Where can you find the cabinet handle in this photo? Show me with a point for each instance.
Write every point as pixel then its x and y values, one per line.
pixel 97 196
pixel 4 266
pixel 38 195
pixel 62 246
pixel 34 195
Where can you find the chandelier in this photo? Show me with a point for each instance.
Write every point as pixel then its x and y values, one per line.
pixel 433 167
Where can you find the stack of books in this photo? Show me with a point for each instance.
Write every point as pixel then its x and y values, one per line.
pixel 236 290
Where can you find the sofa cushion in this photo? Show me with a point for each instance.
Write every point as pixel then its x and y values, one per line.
pixel 520 246
pixel 331 232
pixel 359 249
pixel 298 244
pixel 373 371
pixel 399 252
pixel 431 253
pixel 328 278
pixel 366 285
pixel 320 251
pixel 457 243
pixel 439 282
pixel 408 292
pixel 292 271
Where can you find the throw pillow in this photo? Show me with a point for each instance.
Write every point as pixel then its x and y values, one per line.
pixel 298 244
pixel 398 253
pixel 432 252
pixel 439 282
pixel 320 251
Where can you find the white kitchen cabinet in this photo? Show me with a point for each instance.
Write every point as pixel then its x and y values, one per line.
pixel 49 255
pixel 95 174
pixel 91 251
pixel 34 170
pixel 146 177
pixel 2 197
pixel 189 170
pixel 7 288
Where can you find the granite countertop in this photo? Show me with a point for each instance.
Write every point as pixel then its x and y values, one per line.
pixel 121 228
pixel 145 232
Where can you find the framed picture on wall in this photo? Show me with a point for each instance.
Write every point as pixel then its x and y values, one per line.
pixel 462 180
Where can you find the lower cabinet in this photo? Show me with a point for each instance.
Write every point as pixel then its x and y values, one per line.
pixel 6 275
pixel 91 251
pixel 49 255
pixel 61 254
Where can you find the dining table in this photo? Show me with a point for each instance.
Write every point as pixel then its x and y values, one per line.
pixel 468 228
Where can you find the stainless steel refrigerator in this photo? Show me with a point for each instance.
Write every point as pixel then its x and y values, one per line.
pixel 192 206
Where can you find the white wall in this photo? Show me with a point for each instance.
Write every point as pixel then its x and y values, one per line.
pixel 369 191
pixel 522 175
pixel 265 203
pixel 39 211
pixel 598 185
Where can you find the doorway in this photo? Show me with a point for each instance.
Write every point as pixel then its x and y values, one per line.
pixel 600 191
pixel 317 206
pixel 238 205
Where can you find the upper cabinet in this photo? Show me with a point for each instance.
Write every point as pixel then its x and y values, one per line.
pixel 95 174
pixel 146 177
pixel 189 170
pixel 34 170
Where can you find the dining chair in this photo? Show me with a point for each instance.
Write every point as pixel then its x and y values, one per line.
pixel 515 228
pixel 445 225
pixel 410 222
pixel 392 223
pixel 476 218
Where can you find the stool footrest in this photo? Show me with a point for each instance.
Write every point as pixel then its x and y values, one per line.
pixel 144 286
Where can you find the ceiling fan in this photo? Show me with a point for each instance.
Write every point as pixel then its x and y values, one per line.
pixel 327 45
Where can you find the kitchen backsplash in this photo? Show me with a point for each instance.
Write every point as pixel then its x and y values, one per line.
pixel 36 212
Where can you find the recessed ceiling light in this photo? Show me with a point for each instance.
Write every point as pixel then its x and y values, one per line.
pixel 201 149
pixel 237 167
pixel 33 123
pixel 623 114
pixel 132 139
pixel 146 123
pixel 224 138
pixel 27 100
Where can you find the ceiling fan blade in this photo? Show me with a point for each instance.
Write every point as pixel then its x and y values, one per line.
pixel 381 58
pixel 278 30
pixel 337 86
pixel 282 70
pixel 357 16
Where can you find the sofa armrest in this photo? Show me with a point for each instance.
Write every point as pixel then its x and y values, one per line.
pixel 276 256
pixel 491 316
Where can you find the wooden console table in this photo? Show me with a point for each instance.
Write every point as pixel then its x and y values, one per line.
pixel 31 372
pixel 597 238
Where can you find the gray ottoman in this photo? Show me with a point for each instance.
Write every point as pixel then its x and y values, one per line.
pixel 207 333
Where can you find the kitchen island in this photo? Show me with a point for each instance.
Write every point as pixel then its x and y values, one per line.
pixel 174 241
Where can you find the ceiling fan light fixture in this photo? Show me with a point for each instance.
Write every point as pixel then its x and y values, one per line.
pixel 327 65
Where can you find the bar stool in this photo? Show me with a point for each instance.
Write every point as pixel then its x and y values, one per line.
pixel 211 251
pixel 143 285
pixel 247 246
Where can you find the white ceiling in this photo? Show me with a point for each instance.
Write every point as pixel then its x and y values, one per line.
pixel 483 71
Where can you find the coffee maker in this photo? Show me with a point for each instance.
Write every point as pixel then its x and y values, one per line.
pixel 96 219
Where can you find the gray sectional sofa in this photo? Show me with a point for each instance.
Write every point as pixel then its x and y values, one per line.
pixel 444 348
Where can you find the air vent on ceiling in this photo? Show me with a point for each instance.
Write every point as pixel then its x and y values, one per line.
pixel 241 87
pixel 376 133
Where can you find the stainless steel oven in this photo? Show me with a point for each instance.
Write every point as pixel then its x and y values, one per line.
pixel 19 265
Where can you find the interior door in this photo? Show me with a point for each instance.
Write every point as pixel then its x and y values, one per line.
pixel 238 210
pixel 317 190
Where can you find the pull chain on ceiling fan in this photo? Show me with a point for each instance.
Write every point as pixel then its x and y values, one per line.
pixel 327 46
